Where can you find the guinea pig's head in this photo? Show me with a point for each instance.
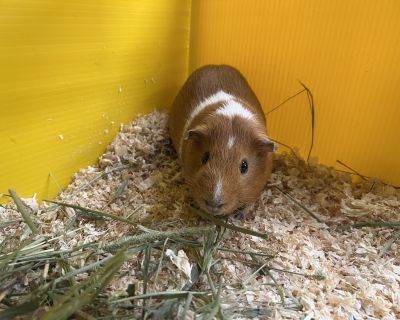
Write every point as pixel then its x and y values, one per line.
pixel 225 162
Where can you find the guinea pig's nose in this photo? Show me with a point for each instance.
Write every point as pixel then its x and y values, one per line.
pixel 214 205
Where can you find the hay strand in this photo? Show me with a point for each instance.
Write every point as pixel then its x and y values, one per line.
pixel 223 224
pixel 299 204
pixel 24 212
pixel 95 212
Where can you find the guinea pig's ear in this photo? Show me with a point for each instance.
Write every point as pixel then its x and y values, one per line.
pixel 197 134
pixel 263 143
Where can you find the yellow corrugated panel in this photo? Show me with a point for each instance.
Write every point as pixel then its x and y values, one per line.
pixel 346 52
pixel 72 71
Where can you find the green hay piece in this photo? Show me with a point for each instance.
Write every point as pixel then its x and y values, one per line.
pixel 24 212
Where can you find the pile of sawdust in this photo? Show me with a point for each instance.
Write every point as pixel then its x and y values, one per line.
pixel 139 178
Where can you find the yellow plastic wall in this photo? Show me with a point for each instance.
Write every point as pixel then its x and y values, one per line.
pixel 72 71
pixel 346 52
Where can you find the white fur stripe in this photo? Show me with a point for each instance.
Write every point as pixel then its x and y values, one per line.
pixel 218 190
pixel 231 141
pixel 215 98
pixel 233 108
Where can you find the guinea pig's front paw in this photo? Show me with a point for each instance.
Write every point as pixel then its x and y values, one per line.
pixel 243 213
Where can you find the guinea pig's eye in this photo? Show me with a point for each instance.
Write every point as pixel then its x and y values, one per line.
pixel 244 166
pixel 205 158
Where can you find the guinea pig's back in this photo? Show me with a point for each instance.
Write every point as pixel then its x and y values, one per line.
pixel 206 82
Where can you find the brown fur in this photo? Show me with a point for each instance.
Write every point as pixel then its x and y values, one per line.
pixel 209 132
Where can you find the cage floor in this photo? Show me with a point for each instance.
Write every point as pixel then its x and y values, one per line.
pixel 320 270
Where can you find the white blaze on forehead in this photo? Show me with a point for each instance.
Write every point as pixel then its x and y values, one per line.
pixel 231 142
pixel 220 96
pixel 233 108
pixel 218 190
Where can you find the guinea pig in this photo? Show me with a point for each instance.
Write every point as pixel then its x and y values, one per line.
pixel 218 129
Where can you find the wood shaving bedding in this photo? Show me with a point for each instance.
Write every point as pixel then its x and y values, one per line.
pixel 138 177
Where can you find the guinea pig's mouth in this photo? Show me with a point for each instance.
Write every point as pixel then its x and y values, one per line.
pixel 213 208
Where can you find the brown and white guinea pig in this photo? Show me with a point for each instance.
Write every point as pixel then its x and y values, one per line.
pixel 218 129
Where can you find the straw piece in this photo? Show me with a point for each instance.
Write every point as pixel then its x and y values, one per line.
pixel 78 296
pixel 299 204
pixel 389 243
pixel 24 212
pixel 286 100
pixel 19 310
pixel 312 110
pixel 146 262
pixel 221 223
pixel 372 224
pixel 156 235
pixel 188 302
pixel 353 171
pixel 160 295
pixel 96 212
